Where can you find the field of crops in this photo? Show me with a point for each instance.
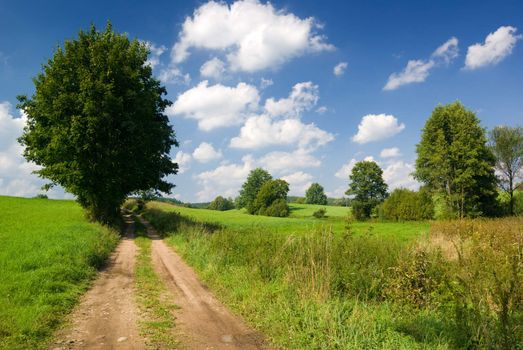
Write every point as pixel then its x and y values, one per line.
pixel 48 255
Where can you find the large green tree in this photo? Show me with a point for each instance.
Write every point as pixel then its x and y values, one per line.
pixel 271 199
pixel 507 145
pixel 367 188
pixel 454 160
pixel 251 187
pixel 96 122
pixel 315 195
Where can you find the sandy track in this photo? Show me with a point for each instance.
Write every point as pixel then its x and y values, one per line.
pixel 202 322
pixel 106 317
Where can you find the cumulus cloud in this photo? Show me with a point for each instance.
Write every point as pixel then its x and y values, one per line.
pixel 346 169
pixel 265 83
pixel 214 68
pixel 173 75
pixel 278 161
pixel 16 174
pixel 398 174
pixel 340 68
pixel 184 160
pixel 322 110
pixel 375 127
pixel 496 47
pixel 417 71
pixel 390 152
pixel 302 98
pixel 224 180
pixel 261 131
pixel 217 105
pixel 155 52
pixel 255 36
pixel 205 152
pixel 299 182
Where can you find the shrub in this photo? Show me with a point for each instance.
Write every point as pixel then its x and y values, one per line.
pixel 220 203
pixel 404 204
pixel 320 213
pixel 272 192
pixel 278 208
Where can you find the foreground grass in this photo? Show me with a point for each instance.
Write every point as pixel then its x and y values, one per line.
pixel 300 220
pixel 459 287
pixel 157 322
pixel 48 255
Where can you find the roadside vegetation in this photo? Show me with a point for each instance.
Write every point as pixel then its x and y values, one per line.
pixel 317 289
pixel 49 253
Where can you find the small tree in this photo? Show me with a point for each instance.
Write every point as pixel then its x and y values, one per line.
pixel 251 187
pixel 222 204
pixel 315 195
pixel 367 187
pixel 271 199
pixel 454 161
pixel 96 122
pixel 507 145
pixel 403 204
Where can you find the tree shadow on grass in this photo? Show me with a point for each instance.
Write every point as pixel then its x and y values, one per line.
pixel 168 223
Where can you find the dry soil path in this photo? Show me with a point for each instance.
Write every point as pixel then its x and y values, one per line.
pixel 107 316
pixel 202 322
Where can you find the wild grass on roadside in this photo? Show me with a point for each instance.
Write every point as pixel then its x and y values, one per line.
pixel 158 321
pixel 48 255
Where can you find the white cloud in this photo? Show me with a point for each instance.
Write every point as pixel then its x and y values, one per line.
pixel 205 152
pixel 184 160
pixel 417 71
pixel 261 131
pixel 302 98
pixel 338 192
pixel 299 182
pixel 374 127
pixel 173 75
pixel 322 110
pixel 398 174
pixel 278 161
pixel 265 83
pixel 448 51
pixel 255 36
pixel 390 152
pixel 496 47
pixel 346 169
pixel 216 106
pixel 224 180
pixel 340 68
pixel 214 68
pixel 156 51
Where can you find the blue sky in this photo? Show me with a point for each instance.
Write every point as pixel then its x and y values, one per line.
pixel 255 84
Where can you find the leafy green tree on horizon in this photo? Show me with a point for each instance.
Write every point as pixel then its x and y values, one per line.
pixel 455 161
pixel 367 187
pixel 271 199
pixel 251 187
pixel 221 203
pixel 507 146
pixel 96 122
pixel 315 194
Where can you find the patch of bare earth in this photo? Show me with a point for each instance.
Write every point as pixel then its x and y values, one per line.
pixel 202 322
pixel 107 316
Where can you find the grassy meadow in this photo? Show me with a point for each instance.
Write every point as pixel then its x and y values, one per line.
pixel 48 255
pixel 321 284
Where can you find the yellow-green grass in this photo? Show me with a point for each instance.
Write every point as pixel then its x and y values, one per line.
pixel 48 254
pixel 300 220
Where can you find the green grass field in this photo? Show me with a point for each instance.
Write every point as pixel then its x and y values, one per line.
pixel 48 255
pixel 300 220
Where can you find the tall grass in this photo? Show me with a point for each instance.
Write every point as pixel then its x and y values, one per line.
pixel 48 255
pixel 319 290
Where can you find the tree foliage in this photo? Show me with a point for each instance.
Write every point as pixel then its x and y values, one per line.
pixel 222 204
pixel 95 123
pixel 403 205
pixel 315 195
pixel 507 145
pixel 454 160
pixel 271 199
pixel 367 187
pixel 251 187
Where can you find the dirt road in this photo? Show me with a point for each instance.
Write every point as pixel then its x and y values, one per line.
pixel 106 317
pixel 202 322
